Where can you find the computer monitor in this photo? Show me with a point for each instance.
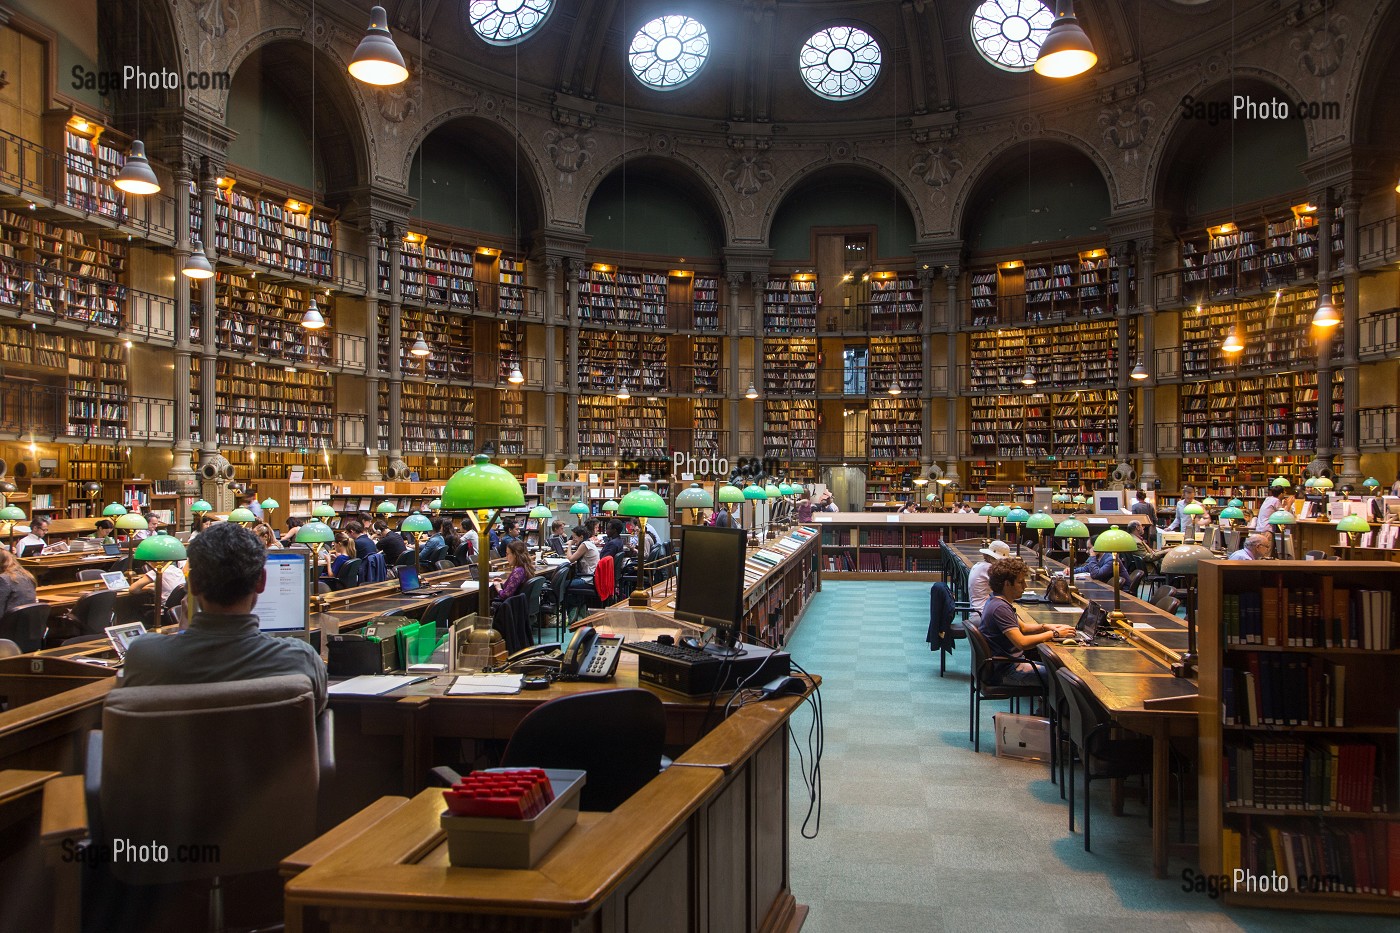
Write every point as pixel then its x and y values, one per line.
pixel 283 607
pixel 710 590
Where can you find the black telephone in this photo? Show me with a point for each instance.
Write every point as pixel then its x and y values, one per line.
pixel 590 657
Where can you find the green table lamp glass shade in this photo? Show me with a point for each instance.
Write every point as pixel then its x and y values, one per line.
pixel 1195 508
pixel 12 513
pixel 270 503
pixel 131 521
pixel 611 506
pixel 1232 513
pixel 539 511
pixel 755 492
pixel 1079 500
pixel 386 507
pixel 1372 483
pixel 1018 516
pixel 315 532
pixel 1001 511
pixel 242 517
pixel 786 489
pixel 114 509
pixel 695 497
pixel 932 497
pixel 1354 524
pixel 1059 497
pixel 731 493
pixel 643 503
pixel 1185 559
pixel 1310 482
pixel 1236 503
pixel 1283 517
pixel 1071 528
pixel 322 510
pixel 1323 483
pixel 987 511
pixel 436 504
pixel 772 492
pixel 1040 521
pixel 1280 482
pixel 1208 502
pixel 578 508
pixel 483 485
pixel 418 522
pixel 1115 541
pixel 160 549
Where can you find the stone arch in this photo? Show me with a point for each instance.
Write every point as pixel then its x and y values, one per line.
pixel 659 152
pixel 840 155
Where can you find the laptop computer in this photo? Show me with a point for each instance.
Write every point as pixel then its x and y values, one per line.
pixel 30 550
pixel 121 636
pixel 112 549
pixel 1091 621
pixel 116 581
pixel 411 584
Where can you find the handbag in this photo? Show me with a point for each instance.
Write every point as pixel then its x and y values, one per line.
pixel 1057 592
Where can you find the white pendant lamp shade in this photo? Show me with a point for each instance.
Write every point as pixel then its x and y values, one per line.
pixel 516 377
pixel 377 60
pixel 1234 343
pixel 752 393
pixel 1066 51
pixel 420 346
pixel 1326 314
pixel 197 264
pixel 137 176
pixel 312 319
pixel 1139 372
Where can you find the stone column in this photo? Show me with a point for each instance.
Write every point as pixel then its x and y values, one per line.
pixel 734 281
pixel 1351 340
pixel 208 356
pixel 926 280
pixel 180 468
pixel 760 285
pixel 372 372
pixel 951 322
pixel 1147 343
pixel 1322 455
pixel 571 269
pixel 1122 253
pixel 393 235
pixel 551 356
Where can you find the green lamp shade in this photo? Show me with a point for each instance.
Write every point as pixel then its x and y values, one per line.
pixel 643 503
pixel 786 489
pixel 1184 559
pixel 198 507
pixel 579 508
pixel 436 504
pixel 242 517
pixel 1071 528
pixel 1310 482
pixel 1280 482
pixel 772 492
pixel 539 511
pixel 1059 497
pixel 1001 511
pixel 1018 516
pixel 755 493
pixel 1208 502
pixel 1236 503
pixel 1079 500
pixel 1232 513
pixel 731 493
pixel 114 509
pixel 610 506
pixel 1354 524
pixel 1115 541
pixel 160 549
pixel 387 507
pixel 131 521
pixel 483 485
pixel 695 497
pixel 12 513
pixel 1040 521
pixel 1195 508
pixel 417 522
pixel 987 511
pixel 1283 517
pixel 1323 483
pixel 270 503
pixel 1371 483
pixel 322 510
pixel 932 497
pixel 315 532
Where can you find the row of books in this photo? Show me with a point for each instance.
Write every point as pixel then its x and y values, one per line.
pixel 1291 774
pixel 1284 690
pixel 1354 860
pixel 1322 616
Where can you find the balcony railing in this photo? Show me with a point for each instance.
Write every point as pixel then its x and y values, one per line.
pixel 350 432
pixel 1379 243
pixel 1380 333
pixel 36 290
pixel 1379 427
pixel 34 411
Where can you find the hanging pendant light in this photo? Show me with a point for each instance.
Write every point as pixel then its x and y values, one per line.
pixel 1139 372
pixel 752 393
pixel 1234 343
pixel 894 388
pixel 1028 377
pixel 312 319
pixel 420 346
pixel 1066 51
pixel 197 264
pixel 516 377
pixel 377 60
pixel 1326 314
pixel 137 176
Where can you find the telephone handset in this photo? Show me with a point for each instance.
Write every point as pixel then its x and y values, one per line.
pixel 592 656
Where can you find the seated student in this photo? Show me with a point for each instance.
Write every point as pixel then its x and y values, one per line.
pixel 978 587
pixel 1144 549
pixel 557 541
pixel 390 542
pixel 804 508
pixel 266 535
pixel 171 577
pixel 508 534
pixel 1255 547
pixel 104 531
pixel 1100 567
pixel 522 568
pixel 289 537
pixel 334 557
pixel 364 544
pixel 36 543
pixel 435 548
pixel 16 583
pixel 1000 624
pixel 222 642
pixel 585 556
pixel 615 545
pixel 911 506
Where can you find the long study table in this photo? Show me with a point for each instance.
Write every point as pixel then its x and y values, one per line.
pixel 1128 680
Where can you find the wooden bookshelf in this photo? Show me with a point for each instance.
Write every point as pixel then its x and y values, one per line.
pixel 268 226
pixel 1298 730
pixel 896 359
pixel 704 298
pixel 263 318
pixel 790 430
pixel 451 337
pixel 266 406
pixel 789 366
pixel 1277 331
pixel 896 301
pixel 609 295
pixel 857 550
pixel 91 374
pixel 1085 354
pixel 608 360
pixel 68 273
pixel 1275 414
pixel 92 158
pixel 1079 285
pixel 1065 426
pixel 896 428
pixel 790 304
pixel 1246 477
pixel 1273 251
pixel 435 418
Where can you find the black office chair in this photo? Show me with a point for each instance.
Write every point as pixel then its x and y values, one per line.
pixel 1135 581
pixel 1315 555
pixel 511 617
pixel 175 597
pixel 614 735
pixel 984 684
pixel 445 565
pixel 552 598
pixel 406 559
pixel 944 630
pixel 534 601
pixel 131 607
pixel 90 575
pixel 442 610
pixel 25 624
pixel 94 611
pixel 1102 755
pixel 463 555
pixel 348 577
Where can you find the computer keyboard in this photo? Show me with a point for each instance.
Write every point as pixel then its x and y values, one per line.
pixel 680 654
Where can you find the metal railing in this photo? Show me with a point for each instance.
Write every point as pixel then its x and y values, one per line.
pixel 349 271
pixel 1379 427
pixel 1171 366
pixel 349 431
pixel 44 412
pixel 41 292
pixel 651 316
pixel 1379 242
pixel 1380 333
pixel 350 351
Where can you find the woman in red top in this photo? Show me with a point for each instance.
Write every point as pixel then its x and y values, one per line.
pixel 522 568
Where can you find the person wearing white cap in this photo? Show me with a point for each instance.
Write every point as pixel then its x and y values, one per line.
pixel 978 588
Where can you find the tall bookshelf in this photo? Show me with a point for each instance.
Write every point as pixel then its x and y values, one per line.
pixel 1274 414
pixel 263 318
pixel 1298 730
pixel 705 427
pixel 597 427
pixel 264 406
pixel 896 428
pixel 1011 427
pixel 68 273
pixel 253 223
pixel 790 366
pixel 435 272
pixel 896 359
pixel 90 165
pixel 1074 286
pixel 790 430
pixel 1083 355
pixel 435 418
pixel 1277 331
pixel 609 360
pixel 896 302
pixel 1270 252
pixel 1248 477
pixel 704 298
pixel 450 338
pixel 790 304
pixel 610 295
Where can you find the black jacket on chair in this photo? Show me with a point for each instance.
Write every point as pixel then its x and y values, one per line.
pixel 940 618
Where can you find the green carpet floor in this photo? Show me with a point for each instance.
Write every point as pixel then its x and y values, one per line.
pixel 920 834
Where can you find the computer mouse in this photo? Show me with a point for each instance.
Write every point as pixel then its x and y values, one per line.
pixel 784 687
